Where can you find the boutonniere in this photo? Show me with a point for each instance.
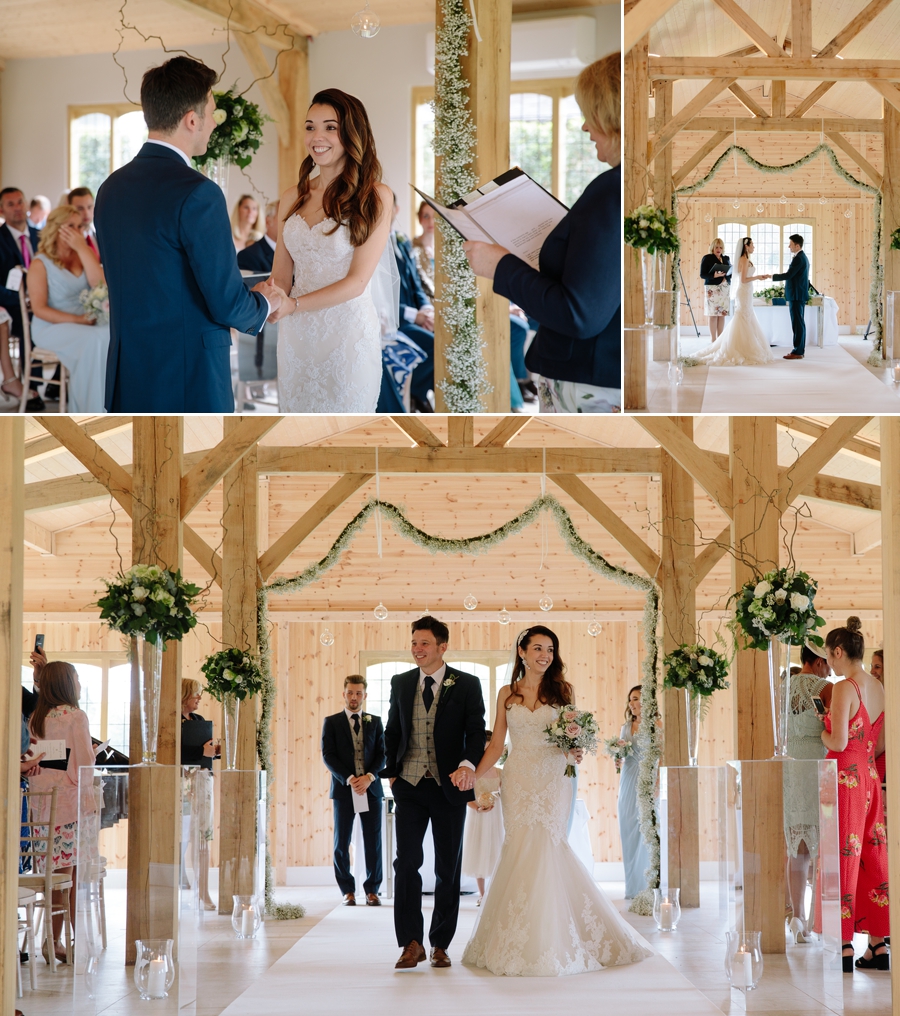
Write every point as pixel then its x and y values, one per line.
pixel 449 681
pixel 367 718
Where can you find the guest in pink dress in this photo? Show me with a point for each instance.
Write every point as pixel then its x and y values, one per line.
pixel 57 717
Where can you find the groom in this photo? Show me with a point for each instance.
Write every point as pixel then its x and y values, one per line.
pixel 174 286
pixel 434 739
pixel 796 292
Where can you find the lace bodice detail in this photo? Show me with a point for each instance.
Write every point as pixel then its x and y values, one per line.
pixel 320 256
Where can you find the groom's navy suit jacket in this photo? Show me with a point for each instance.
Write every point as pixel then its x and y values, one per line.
pixel 458 726
pixel 338 755
pixel 796 279
pixel 174 287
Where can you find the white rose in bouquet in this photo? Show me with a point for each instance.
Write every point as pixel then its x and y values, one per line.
pixel 762 589
pixel 800 602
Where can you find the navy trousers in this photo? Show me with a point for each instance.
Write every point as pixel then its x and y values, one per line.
pixel 371 830
pixel 798 325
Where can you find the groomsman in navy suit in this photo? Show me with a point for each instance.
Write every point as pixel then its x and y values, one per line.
pixel 174 286
pixel 258 257
pixel 353 751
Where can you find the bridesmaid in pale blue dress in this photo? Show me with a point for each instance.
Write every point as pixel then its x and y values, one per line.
pixel 634 850
pixel 65 267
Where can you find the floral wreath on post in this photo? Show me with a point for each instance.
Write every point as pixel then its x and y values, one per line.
pixel 779 605
pixel 696 668
pixel 233 672
pixel 151 602
pixel 238 131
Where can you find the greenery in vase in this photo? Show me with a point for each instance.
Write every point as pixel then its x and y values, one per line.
pixel 697 668
pixel 653 229
pixel 150 601
pixel 233 672
pixel 770 293
pixel 778 605
pixel 238 132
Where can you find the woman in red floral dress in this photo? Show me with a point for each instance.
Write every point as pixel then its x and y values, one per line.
pixel 853 739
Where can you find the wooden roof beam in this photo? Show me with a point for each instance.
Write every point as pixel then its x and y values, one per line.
pixel 248 16
pixel 268 85
pixel 767 68
pixel 866 539
pixel 808 464
pixel 460 431
pixel 890 93
pixel 860 160
pixel 801 28
pixel 746 99
pixel 811 99
pixel 811 428
pixel 754 32
pixel 865 17
pixel 640 17
pixel 779 99
pixel 711 555
pixel 413 427
pixel 38 538
pixel 703 98
pixel 705 149
pixel 504 431
pixel 796 125
pixel 47 444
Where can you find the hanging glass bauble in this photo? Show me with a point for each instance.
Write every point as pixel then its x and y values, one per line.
pixel 594 628
pixel 823 201
pixel 365 23
pixel 470 603
pixel 782 200
pixel 848 214
pixel 504 617
pixel 380 612
pixel 327 638
pixel 801 207
pixel 736 203
pixel 545 603
pixel 760 208
pixel 707 217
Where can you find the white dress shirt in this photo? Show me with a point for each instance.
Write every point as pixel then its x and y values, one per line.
pixel 269 241
pixel 438 678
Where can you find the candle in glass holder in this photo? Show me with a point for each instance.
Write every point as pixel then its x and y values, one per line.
pixel 666 916
pixel 748 969
pixel 247 922
pixel 156 978
pixel 895 371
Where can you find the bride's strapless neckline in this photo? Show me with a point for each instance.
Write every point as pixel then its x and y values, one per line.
pixel 315 224
pixel 522 705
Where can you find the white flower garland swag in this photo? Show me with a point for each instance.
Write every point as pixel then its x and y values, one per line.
pixel 877 269
pixel 643 902
pixel 454 143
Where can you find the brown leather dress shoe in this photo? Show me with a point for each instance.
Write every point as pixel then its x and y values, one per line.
pixel 413 954
pixel 349 900
pixel 439 958
pixel 793 356
pixel 372 900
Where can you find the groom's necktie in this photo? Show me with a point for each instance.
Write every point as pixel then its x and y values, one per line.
pixel 428 693
pixel 356 723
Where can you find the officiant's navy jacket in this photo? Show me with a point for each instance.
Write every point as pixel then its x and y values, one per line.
pixel 174 287
pixel 338 756
pixel 796 279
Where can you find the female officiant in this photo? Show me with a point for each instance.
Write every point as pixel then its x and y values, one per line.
pixel 714 270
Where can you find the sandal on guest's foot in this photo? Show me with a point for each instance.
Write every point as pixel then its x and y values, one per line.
pixel 847 960
pixel 874 958
pixel 9 386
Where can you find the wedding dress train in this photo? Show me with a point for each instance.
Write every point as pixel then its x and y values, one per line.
pixel 543 914
pixel 329 360
pixel 742 342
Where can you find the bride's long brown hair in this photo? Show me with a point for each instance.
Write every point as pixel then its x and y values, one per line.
pixel 554 689
pixel 350 198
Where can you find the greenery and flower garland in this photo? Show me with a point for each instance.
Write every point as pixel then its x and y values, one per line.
pixel 643 902
pixel 696 668
pixel 875 289
pixel 454 144
pixel 779 605
pixel 233 672
pixel 238 132
pixel 652 229
pixel 150 601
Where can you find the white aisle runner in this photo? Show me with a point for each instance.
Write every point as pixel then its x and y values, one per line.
pixel 346 965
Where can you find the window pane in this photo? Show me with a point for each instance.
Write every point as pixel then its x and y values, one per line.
pixel 805 230
pixel 767 248
pixel 131 133
pixel 90 150
pixel 425 148
pixel 531 135
pixel 580 164
pixel 730 234
pixel 28 677
pixel 378 687
pixel 118 719
pixel 91 701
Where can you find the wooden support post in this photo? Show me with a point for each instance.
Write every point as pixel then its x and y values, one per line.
pixel 634 170
pixel 679 613
pixel 237 822
pixel 890 587
pixel 764 850
pixel 154 812
pixel 891 195
pixel 12 557
pixel 487 70
pixel 293 82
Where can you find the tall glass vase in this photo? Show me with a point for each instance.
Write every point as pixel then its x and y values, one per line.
pixel 692 714
pixel 649 271
pixel 230 705
pixel 780 693
pixel 217 171
pixel 149 673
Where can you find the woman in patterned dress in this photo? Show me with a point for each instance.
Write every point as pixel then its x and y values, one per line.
pixel 57 717
pixel 853 739
pixel 714 271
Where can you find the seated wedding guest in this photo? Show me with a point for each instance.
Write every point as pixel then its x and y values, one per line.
pixel 416 317
pixel 576 294
pixel 82 199
pixel 18 246
pixel 245 222
pixel 38 211
pixel 201 826
pixel 423 248
pixel 353 752
pixel 714 271
pixel 56 717
pixel 65 267
pixel 11 385
pixel 258 257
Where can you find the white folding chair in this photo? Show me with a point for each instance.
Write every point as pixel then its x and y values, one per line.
pixel 27 899
pixel 37 354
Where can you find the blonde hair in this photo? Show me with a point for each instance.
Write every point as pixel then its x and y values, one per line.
pixel 598 93
pixel 190 686
pixel 255 232
pixel 58 218
pixel 718 242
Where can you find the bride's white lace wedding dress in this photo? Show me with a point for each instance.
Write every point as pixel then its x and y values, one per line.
pixel 543 915
pixel 329 361
pixel 742 342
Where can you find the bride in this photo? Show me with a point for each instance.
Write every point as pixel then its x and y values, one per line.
pixel 742 342
pixel 543 914
pixel 332 242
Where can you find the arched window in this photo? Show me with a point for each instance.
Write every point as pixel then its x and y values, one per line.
pixel 101 139
pixel 771 255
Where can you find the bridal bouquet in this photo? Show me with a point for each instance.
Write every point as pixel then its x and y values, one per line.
pixel 96 303
pixel 778 605
pixel 573 729
pixel 232 672
pixel 618 749
pixel 238 132
pixel 150 601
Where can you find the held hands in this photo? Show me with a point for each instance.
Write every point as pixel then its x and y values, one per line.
pixel 484 257
pixel 360 784
pixel 425 318
pixel 463 778
pixel 280 303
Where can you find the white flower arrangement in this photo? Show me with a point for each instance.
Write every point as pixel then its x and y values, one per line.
pixel 697 668
pixel 96 303
pixel 150 601
pixel 652 229
pixel 778 605
pixel 233 672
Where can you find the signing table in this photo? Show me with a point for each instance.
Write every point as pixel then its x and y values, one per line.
pixel 821 323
